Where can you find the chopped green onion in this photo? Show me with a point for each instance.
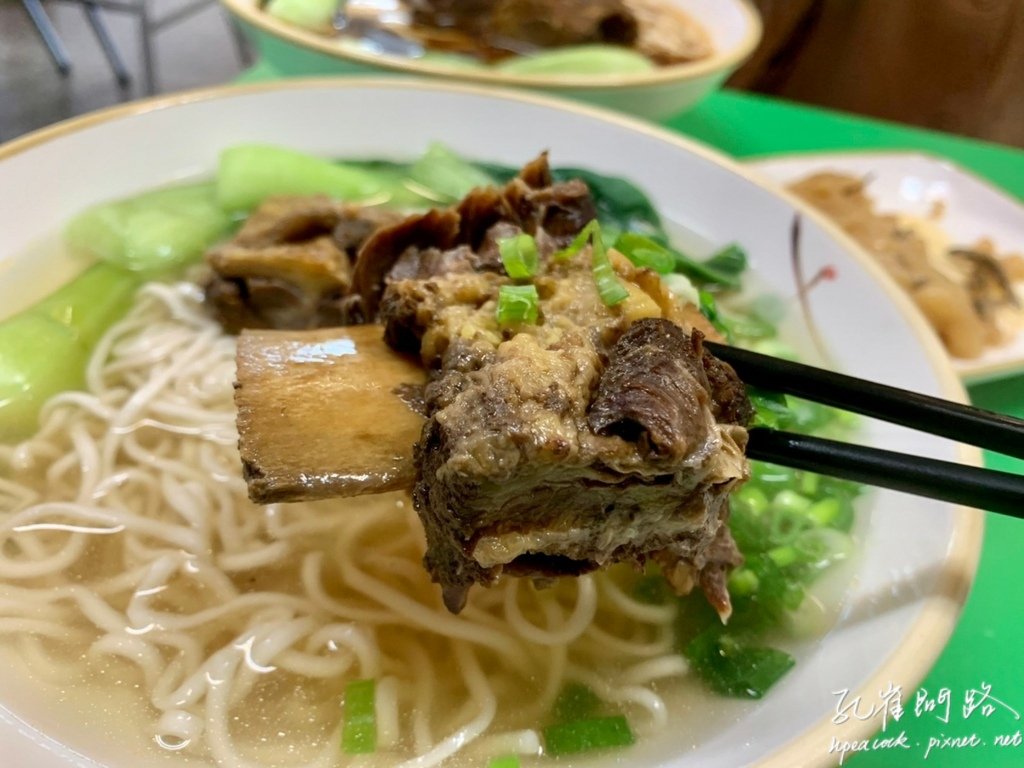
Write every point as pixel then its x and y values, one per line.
pixel 587 735
pixel 783 556
pixel 576 702
pixel 519 255
pixel 518 304
pixel 809 483
pixel 359 733
pixel 819 548
pixel 742 582
pixel 751 500
pixel 609 287
pixel 505 761
pixel 825 511
pixel 791 502
pixel 578 242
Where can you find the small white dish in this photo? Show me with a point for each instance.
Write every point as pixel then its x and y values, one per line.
pixel 913 183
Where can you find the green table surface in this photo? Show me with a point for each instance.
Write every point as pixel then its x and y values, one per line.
pixel 983 649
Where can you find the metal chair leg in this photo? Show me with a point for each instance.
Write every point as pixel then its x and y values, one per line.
pixel 50 37
pixel 99 28
pixel 241 42
pixel 146 41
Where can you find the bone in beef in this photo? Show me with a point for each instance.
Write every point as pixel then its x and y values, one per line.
pixel 520 473
pixel 601 434
pixel 598 435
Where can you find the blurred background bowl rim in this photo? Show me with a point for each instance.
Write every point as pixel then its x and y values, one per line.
pixel 719 61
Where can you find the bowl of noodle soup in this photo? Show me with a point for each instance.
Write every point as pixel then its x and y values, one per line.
pixel 150 615
pixel 732 29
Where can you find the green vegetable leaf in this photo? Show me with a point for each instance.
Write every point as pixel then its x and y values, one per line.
pixel 646 252
pixel 505 761
pixel 724 269
pixel 250 173
pixel 593 59
pixel 587 735
pixel 731 261
pixel 156 230
pixel 709 308
pixel 447 174
pixel 652 589
pixel 771 409
pixel 45 348
pixel 732 668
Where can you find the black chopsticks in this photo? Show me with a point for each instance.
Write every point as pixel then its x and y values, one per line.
pixel 963 423
pixel 987 489
pixel 995 491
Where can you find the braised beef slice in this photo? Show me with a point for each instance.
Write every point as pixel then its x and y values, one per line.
pixel 283 220
pixel 275 286
pixel 515 476
pixel 646 395
pixel 549 24
pixel 517 24
pixel 643 396
pixel 290 265
pixel 387 246
pixel 479 212
pixel 729 401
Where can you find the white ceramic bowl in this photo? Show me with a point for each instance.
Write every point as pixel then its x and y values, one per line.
pixel 918 555
pixel 733 26
pixel 913 184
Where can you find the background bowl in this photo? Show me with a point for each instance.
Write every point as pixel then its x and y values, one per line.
pixel 918 556
pixel 733 25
